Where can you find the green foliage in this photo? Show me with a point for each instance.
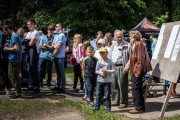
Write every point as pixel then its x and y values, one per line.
pixel 43 18
pixel 87 17
pixel 161 19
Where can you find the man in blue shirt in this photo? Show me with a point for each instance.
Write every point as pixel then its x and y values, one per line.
pixel 45 56
pixel 14 49
pixel 153 44
pixel 94 43
pixel 4 80
pixel 59 44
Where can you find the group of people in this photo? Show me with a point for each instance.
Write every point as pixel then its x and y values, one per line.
pixel 30 56
pixel 103 64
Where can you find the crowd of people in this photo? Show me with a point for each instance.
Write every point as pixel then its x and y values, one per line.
pixel 101 65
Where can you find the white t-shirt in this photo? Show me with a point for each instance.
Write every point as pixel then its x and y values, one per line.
pixel 34 35
pixel 97 55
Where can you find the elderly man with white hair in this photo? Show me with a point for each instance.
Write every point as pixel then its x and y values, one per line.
pixel 121 51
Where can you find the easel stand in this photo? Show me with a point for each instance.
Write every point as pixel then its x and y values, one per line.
pixel 166 99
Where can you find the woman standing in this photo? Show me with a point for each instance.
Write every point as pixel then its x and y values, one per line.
pixel 78 54
pixel 139 65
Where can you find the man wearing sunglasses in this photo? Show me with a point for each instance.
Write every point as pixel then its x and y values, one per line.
pixel 59 44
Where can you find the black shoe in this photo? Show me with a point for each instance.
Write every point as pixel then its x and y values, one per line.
pixel 14 96
pixel 30 89
pixel 36 90
pixel 62 91
pixel 56 89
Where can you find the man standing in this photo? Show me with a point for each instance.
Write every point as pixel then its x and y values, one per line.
pixel 45 56
pixel 153 44
pixel 59 44
pixel 4 79
pixel 94 43
pixel 121 52
pixel 32 48
pixel 14 50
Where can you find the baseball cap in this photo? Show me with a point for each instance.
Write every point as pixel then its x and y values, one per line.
pixel 50 27
pixel 103 49
pixel 102 41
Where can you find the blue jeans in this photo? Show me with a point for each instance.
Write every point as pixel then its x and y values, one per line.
pixel 106 87
pixel 61 79
pixel 33 69
pixel 24 67
pixel 91 84
pixel 43 65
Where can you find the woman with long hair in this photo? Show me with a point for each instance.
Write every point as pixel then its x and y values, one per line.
pixel 78 52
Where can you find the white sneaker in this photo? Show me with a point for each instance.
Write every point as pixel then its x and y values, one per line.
pixel 81 91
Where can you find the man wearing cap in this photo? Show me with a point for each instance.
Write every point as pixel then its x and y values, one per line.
pixel 120 57
pixel 101 43
pixel 94 42
pixel 45 56
pixel 59 44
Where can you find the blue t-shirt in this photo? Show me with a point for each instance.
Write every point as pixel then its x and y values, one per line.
pixel 46 54
pixel 153 45
pixel 62 39
pixel 15 56
pixel 94 44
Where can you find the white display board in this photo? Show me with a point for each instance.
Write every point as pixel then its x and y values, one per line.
pixel 166 58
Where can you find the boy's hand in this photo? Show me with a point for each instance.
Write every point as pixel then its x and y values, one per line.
pixel 104 73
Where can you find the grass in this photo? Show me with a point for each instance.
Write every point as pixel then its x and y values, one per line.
pixel 8 106
pixel 88 113
pixel 28 105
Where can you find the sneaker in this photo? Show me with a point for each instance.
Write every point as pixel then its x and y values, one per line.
pixel 172 97
pixel 81 91
pixel 30 89
pixel 13 95
pixel 62 91
pixel 91 104
pixel 48 87
pixel 85 97
pixel 163 97
pixel 56 88
pixel 73 90
pixel 36 90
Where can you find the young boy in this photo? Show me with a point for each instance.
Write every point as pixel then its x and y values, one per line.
pixel 89 66
pixel 104 69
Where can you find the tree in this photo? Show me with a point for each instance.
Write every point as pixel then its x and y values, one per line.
pixel 87 17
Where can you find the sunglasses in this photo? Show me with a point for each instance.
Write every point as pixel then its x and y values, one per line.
pixel 102 53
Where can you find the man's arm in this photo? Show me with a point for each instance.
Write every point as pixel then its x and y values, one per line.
pixel 15 48
pixel 50 47
pixel 57 49
pixel 32 42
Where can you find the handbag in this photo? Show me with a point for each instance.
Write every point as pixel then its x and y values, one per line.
pixel 73 60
